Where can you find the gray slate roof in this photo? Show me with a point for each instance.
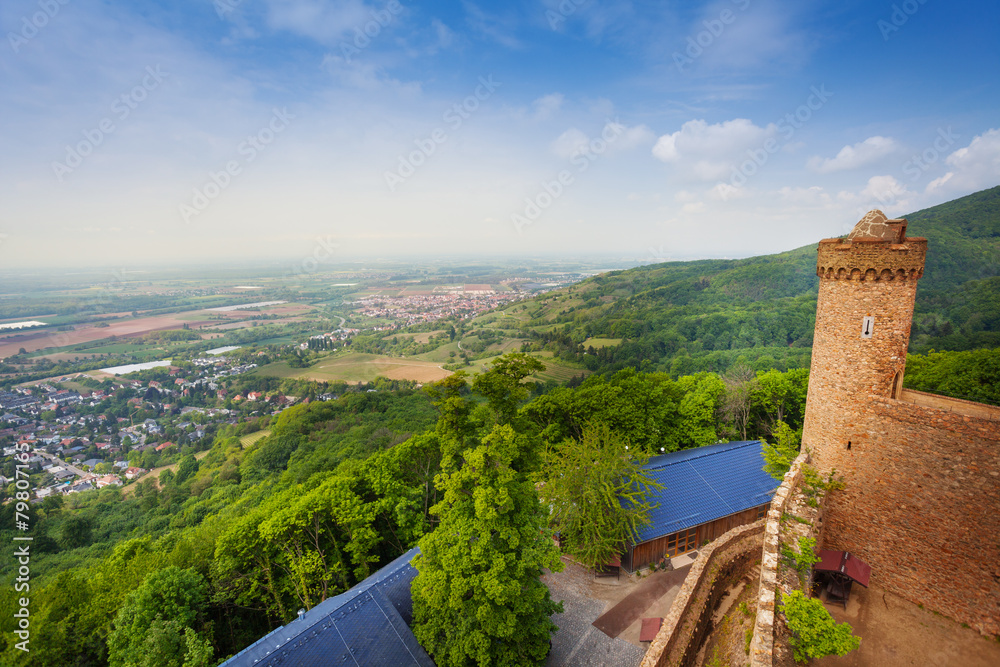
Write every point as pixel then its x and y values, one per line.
pixel 367 625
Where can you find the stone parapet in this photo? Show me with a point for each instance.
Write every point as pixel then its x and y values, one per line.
pixel 762 645
pixel 922 505
pixel 690 616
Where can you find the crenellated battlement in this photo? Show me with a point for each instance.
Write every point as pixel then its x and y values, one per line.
pixel 871 259
pixel 921 471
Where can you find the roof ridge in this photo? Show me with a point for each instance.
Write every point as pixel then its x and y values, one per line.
pixel 709 485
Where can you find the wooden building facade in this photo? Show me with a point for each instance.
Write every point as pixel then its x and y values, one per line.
pixel 649 552
pixel 705 492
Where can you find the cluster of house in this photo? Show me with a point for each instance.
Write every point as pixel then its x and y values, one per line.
pixel 332 337
pixel 412 308
pixel 62 478
pixel 79 448
pixel 49 400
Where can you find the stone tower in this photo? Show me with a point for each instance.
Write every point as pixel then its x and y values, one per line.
pixel 868 284
pixel 921 473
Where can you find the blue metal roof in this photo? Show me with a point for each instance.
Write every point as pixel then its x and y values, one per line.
pixel 367 625
pixel 704 484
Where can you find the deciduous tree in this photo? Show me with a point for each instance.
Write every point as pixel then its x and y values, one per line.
pixel 503 384
pixel 737 401
pixel 779 456
pixel 151 628
pixel 478 599
pixel 598 493
pixel 814 632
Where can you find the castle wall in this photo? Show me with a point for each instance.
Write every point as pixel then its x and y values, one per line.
pixel 922 502
pixel 762 645
pixel 718 566
pixel 949 404
pixel 922 505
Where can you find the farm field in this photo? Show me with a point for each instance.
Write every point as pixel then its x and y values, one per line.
pixel 560 372
pixel 357 367
pixel 204 320
pixel 598 343
pixel 252 438
pixel 422 337
pixel 10 345
pixel 68 356
pixel 556 370
pixel 442 354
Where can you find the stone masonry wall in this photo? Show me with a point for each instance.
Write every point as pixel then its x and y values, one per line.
pixel 762 645
pixel 922 474
pixel 949 404
pixel 838 259
pixel 922 506
pixel 846 368
pixel 690 617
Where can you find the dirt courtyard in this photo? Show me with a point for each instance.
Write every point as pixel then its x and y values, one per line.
pixel 896 632
pixel 579 640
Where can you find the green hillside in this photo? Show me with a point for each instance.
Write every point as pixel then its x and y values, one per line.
pixel 683 317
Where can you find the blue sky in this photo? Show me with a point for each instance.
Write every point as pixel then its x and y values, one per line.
pixel 141 132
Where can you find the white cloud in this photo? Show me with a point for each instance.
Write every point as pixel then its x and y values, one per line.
pixel 726 192
pixel 570 143
pixel 547 106
pixel 614 136
pixel 973 167
pixel 501 29
pixel 322 21
pixel 627 137
pixel 858 155
pixel 762 34
pixel 810 196
pixel 882 192
pixel 365 75
pixel 445 35
pixel 710 151
pixel 602 107
pixel 685 196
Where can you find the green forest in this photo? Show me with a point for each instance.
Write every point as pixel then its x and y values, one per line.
pixel 338 489
pixel 708 315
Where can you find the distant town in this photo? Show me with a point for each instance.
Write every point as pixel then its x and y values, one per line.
pixel 120 430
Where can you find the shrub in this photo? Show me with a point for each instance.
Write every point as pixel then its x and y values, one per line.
pixel 814 632
pixel 804 559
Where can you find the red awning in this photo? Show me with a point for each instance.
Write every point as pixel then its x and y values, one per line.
pixel 844 563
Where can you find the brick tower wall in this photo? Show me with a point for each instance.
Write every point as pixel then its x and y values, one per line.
pixel 922 501
pixel 858 279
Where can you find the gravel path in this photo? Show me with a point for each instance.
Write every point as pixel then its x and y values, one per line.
pixel 578 642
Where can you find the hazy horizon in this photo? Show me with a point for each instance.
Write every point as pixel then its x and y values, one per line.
pixel 217 132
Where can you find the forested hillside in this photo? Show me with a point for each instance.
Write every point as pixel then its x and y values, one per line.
pixel 335 491
pixel 682 317
pixel 189 568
